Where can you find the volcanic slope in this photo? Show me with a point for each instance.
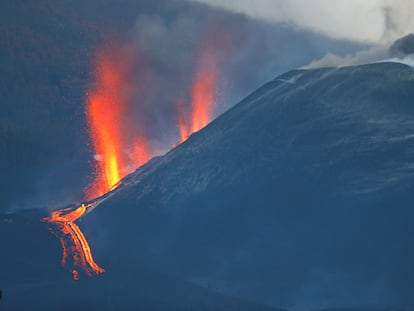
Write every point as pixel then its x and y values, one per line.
pixel 301 195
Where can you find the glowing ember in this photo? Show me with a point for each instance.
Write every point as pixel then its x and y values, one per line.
pixel 75 274
pixel 202 97
pixel 72 240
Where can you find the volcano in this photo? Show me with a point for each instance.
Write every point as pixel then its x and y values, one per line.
pixel 300 196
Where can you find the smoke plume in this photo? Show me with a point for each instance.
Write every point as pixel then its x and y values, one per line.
pixel 375 23
pixel 364 21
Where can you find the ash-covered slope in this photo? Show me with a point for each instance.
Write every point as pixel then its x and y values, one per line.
pixel 299 196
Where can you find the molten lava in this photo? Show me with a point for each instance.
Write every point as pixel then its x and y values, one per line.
pixel 105 109
pixel 72 240
pixel 203 95
pixel 107 112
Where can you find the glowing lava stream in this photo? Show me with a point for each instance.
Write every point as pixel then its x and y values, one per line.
pixel 66 231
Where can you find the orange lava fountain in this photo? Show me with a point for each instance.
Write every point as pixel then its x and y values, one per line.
pixel 106 111
pixel 203 95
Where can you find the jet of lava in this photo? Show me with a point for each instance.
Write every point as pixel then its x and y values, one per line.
pixel 107 111
pixel 203 95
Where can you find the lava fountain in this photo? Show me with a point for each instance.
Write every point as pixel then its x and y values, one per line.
pixel 106 111
pixel 203 96
pixel 107 114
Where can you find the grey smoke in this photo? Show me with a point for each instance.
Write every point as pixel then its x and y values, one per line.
pixel 363 21
pixel 370 55
pixel 399 51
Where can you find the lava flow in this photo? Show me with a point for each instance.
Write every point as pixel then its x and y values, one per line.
pixel 73 241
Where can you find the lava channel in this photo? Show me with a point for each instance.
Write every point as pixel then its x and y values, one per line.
pixel 76 250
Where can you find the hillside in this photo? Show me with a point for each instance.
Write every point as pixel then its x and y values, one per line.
pixel 31 278
pixel 300 195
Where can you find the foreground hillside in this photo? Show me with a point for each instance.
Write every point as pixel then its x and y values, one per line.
pixel 31 278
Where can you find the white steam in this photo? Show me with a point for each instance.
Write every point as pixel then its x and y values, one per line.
pixel 371 55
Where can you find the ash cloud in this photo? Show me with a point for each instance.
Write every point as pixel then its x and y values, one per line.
pixel 373 23
pixel 401 51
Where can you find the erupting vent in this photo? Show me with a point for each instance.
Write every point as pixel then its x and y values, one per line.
pixel 118 148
